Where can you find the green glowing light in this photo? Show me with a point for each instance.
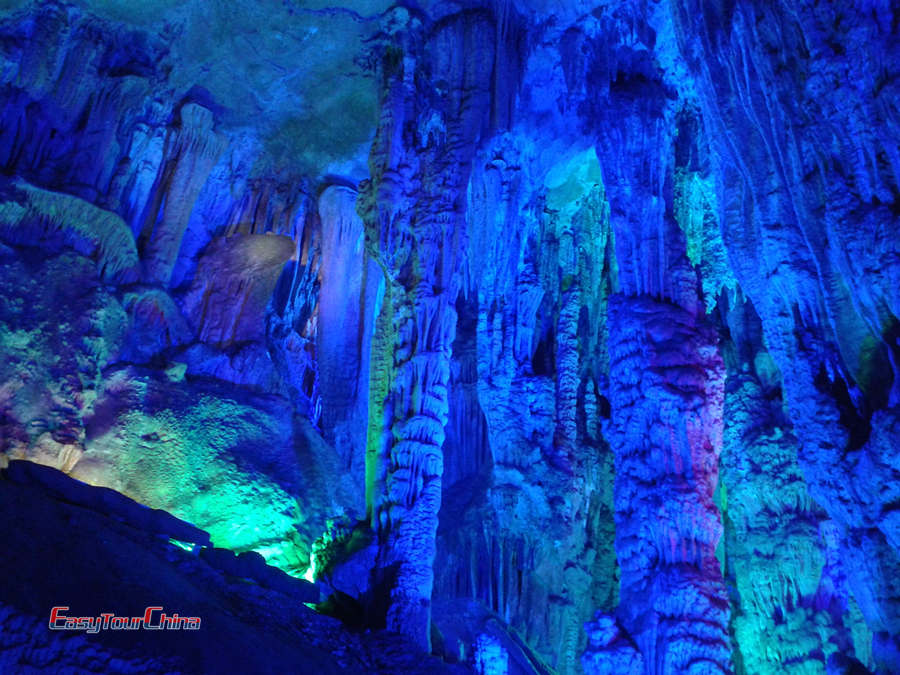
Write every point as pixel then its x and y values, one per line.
pixel 196 456
pixel 185 545
pixel 310 573
pixel 696 209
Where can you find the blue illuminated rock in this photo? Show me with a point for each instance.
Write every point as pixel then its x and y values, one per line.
pixel 557 336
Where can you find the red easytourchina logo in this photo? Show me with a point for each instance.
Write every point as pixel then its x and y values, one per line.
pixel 154 619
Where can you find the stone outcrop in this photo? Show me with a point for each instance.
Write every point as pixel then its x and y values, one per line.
pixel 235 278
pixel 243 604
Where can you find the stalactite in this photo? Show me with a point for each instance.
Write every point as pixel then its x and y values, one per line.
pixel 348 290
pixel 666 391
pixel 191 150
pixel 666 397
pixel 54 220
pixel 540 284
pixel 797 188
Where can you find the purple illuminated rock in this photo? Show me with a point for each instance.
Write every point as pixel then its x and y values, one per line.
pixel 235 277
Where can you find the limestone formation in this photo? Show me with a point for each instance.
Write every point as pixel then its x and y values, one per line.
pixel 556 337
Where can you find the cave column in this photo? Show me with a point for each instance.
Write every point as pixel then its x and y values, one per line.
pixel 666 396
pixel 413 208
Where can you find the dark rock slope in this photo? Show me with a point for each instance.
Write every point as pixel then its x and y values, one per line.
pixel 93 551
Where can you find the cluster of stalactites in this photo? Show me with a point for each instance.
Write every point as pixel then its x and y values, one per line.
pixel 804 131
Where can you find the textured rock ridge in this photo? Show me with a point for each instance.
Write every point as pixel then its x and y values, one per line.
pixel 666 376
pixel 667 398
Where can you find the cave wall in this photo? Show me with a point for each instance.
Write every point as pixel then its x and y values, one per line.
pixel 558 337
